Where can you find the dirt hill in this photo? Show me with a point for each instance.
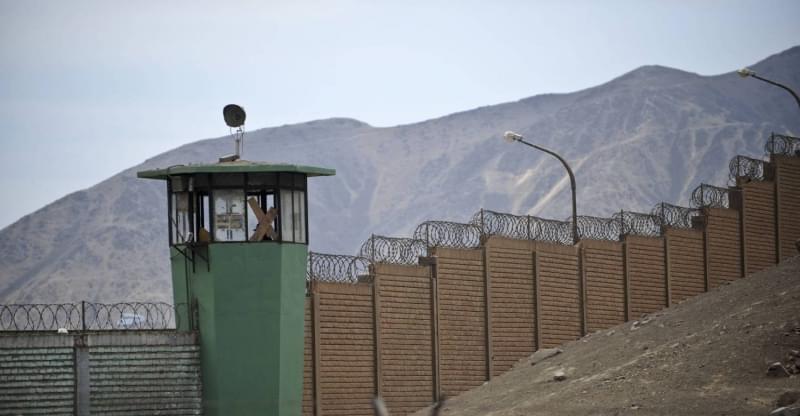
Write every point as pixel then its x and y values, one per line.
pixel 706 356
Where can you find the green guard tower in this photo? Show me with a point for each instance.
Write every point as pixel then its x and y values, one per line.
pixel 238 234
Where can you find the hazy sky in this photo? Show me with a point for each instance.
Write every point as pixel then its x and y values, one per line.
pixel 89 88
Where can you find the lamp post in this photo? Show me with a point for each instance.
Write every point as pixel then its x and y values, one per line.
pixel 747 72
pixel 510 136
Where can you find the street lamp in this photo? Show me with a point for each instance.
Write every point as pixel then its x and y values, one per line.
pixel 747 72
pixel 510 137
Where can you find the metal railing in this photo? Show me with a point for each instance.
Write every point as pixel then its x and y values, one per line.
pixel 90 316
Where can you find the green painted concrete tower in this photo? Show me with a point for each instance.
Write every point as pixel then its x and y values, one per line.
pixel 238 234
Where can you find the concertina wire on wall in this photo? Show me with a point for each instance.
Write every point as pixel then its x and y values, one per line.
pixel 89 316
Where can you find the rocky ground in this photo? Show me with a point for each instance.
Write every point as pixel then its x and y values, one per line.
pixel 709 355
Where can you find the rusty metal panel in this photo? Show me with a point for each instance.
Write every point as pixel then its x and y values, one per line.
pixel 758 215
pixel 686 263
pixel 787 177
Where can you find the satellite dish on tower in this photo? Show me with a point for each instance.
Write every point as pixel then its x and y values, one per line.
pixel 234 118
pixel 234 115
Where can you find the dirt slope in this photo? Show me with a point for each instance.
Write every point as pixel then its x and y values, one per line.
pixel 706 356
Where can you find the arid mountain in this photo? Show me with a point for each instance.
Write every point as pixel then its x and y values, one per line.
pixel 647 136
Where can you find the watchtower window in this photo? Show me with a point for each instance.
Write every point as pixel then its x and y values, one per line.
pixel 229 215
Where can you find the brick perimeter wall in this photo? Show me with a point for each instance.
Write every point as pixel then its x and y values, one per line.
pixel 558 281
pixel 646 275
pixel 347 345
pixel 406 337
pixel 605 284
pixel 759 225
pixel 462 320
pixel 513 309
pixel 724 247
pixel 686 263
pixel 308 359
pixel 787 176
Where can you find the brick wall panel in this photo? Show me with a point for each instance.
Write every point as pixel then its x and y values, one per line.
pixel 687 267
pixel 406 337
pixel 787 176
pixel 347 348
pixel 512 300
pixel 462 320
pixel 308 360
pixel 759 225
pixel 605 284
pixel 560 294
pixel 724 246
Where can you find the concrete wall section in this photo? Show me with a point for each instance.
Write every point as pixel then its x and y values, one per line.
pixel 646 275
pixel 462 319
pixel 513 309
pixel 406 339
pixel 347 349
pixel 605 284
pixel 686 263
pixel 723 246
pixel 558 281
pixel 758 215
pixel 787 178
pixel 131 374
pixel 36 375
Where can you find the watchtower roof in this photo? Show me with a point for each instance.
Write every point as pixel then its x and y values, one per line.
pixel 238 166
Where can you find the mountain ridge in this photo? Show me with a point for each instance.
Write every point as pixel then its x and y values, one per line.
pixel 108 241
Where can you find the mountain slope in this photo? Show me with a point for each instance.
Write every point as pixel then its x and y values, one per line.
pixel 706 356
pixel 647 136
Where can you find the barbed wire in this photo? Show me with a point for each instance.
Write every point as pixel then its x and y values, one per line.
pixel 598 228
pixel 502 224
pixel 638 223
pixel 710 196
pixel 780 144
pixel 381 249
pixel 448 234
pixel 746 167
pixel 674 215
pixel 523 227
pixel 337 268
pixel 89 316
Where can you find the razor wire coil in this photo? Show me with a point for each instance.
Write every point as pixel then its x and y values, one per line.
pixel 638 223
pixel 710 196
pixel 337 268
pixel 746 167
pixel 382 249
pixel 448 234
pixel 675 216
pixel 89 316
pixel 780 144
